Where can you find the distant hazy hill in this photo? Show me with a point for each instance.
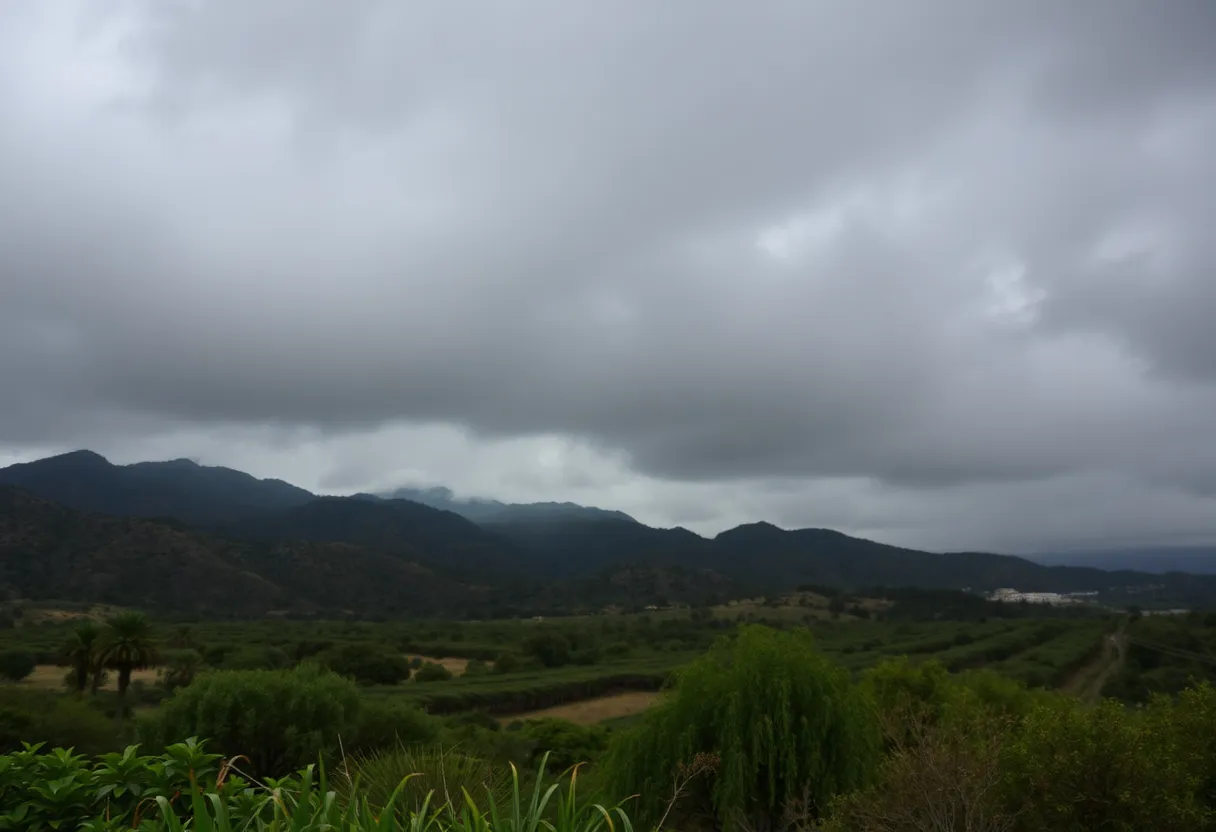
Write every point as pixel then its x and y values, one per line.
pixel 1198 560
pixel 180 488
pixel 481 511
pixel 585 546
pixel 764 557
pixel 398 527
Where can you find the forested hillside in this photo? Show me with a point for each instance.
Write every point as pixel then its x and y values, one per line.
pixel 295 550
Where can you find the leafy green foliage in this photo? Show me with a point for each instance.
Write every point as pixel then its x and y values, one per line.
pixel 565 743
pixel 476 667
pixel 189 788
pixel 279 719
pixel 34 716
pixel 181 666
pixel 551 647
pixel 414 772
pixel 60 789
pixel 390 722
pixel 786 724
pixel 432 672
pixel 1074 767
pixel 16 664
pixel 373 664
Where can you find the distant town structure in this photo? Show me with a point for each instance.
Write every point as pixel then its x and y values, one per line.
pixel 1012 596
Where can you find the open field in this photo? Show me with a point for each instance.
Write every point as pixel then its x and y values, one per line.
pixel 50 677
pixel 455 666
pixel 594 711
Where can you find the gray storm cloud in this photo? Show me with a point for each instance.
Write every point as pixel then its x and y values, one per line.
pixel 936 246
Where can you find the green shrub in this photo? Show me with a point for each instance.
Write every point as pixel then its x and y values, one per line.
pixel 385 723
pixel 372 664
pixel 16 664
pixel 566 744
pixel 181 667
pixel 451 775
pixel 936 776
pixel 476 667
pixel 550 647
pixel 249 658
pixel 507 662
pixel 64 721
pixel 783 722
pixel 1070 766
pixel 279 719
pixel 189 788
pixel 432 672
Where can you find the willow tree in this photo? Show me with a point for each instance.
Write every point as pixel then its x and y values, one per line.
pixel 783 730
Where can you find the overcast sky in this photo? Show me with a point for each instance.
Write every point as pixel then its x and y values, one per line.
pixel 938 273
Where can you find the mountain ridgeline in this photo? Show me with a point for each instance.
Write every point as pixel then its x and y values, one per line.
pixel 217 541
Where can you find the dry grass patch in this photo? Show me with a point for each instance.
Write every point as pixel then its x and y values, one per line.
pixel 50 677
pixel 454 666
pixel 592 711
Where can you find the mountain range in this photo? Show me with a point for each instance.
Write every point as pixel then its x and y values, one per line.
pixel 217 541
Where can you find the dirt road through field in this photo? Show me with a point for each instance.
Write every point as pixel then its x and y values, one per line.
pixel 1088 682
pixel 591 711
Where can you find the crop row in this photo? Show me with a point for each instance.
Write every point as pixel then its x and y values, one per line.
pixel 1052 662
pixel 517 692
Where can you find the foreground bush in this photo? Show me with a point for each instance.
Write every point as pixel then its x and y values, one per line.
pixel 390 722
pixel 64 790
pixel 785 729
pixel 938 775
pixel 990 764
pixel 413 773
pixel 1107 767
pixel 187 787
pixel 38 717
pixel 280 720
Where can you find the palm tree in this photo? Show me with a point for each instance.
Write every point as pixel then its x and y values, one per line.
pixel 81 651
pixel 127 645
pixel 180 669
pixel 183 638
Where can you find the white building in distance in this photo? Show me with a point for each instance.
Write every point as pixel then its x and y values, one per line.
pixel 1012 596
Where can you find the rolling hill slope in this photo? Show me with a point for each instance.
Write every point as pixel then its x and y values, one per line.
pixel 49 551
pixel 402 556
pixel 181 489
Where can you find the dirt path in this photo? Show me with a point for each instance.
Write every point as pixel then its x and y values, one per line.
pixel 591 711
pixel 1088 682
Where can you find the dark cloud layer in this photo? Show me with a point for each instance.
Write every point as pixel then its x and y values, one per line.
pixel 806 261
